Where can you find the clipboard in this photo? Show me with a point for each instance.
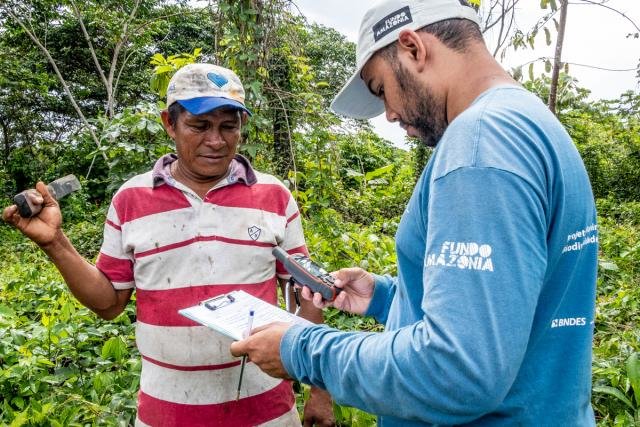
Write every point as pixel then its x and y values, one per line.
pixel 229 313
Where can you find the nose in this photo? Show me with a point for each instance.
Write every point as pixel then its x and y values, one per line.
pixel 391 115
pixel 213 138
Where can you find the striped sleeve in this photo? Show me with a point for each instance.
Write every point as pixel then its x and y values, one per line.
pixel 113 261
pixel 293 241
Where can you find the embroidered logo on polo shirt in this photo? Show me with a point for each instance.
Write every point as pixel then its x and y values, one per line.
pixel 254 232
pixel 392 21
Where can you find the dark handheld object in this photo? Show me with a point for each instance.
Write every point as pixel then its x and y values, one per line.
pixel 307 273
pixel 58 189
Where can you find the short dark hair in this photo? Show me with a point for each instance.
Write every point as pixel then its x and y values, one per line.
pixel 175 110
pixel 455 33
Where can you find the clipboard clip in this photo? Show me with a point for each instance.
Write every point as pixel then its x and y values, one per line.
pixel 218 301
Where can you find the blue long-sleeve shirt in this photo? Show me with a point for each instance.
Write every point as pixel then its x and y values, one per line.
pixel 490 319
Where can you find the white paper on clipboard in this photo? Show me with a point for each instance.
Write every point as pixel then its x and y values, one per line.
pixel 229 313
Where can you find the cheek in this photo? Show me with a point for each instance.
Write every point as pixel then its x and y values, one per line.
pixel 183 149
pixel 232 138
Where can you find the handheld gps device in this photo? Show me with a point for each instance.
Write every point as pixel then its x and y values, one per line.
pixel 307 273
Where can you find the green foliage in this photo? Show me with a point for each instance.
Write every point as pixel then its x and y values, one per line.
pixel 617 337
pixel 59 364
pixel 165 68
pixel 607 135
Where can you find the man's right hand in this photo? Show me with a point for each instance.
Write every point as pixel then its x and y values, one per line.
pixel 42 228
pixel 357 290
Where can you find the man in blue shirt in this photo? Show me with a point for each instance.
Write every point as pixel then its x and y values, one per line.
pixel 490 319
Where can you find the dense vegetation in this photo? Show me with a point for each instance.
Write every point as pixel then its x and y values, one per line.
pixel 60 364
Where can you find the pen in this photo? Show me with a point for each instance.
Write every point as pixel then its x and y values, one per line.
pixel 247 332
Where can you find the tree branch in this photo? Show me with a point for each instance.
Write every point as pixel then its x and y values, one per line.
pixel 76 12
pixel 116 53
pixel 601 4
pixel 65 86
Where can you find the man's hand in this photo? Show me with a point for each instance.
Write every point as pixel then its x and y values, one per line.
pixel 357 290
pixel 318 410
pixel 263 348
pixel 42 228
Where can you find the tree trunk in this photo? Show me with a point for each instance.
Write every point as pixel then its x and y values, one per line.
pixel 282 123
pixel 555 75
pixel 6 139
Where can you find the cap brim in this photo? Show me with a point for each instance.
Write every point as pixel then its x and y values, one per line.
pixel 207 104
pixel 355 100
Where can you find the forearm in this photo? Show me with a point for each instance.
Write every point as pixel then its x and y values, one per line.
pixel 418 377
pixel 84 280
pixel 310 312
pixel 307 309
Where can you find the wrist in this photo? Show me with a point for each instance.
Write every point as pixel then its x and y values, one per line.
pixel 316 391
pixel 56 245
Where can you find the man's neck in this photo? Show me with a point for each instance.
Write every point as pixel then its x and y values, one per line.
pixel 200 187
pixel 472 78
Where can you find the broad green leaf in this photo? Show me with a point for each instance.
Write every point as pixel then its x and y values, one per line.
pixel 20 420
pixel 158 59
pixel 378 172
pixel 114 349
pixel 18 402
pixel 46 320
pixel 633 372
pixel 612 391
pixel 163 69
pixel 46 362
pixel 6 311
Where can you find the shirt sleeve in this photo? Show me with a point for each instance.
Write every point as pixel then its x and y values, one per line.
pixel 484 265
pixel 113 261
pixel 383 292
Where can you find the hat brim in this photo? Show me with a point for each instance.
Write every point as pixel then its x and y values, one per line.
pixel 206 104
pixel 355 100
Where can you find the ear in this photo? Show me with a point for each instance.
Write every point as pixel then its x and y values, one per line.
pixel 244 117
pixel 171 131
pixel 412 49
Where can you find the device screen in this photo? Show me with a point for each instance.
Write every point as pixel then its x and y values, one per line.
pixel 311 266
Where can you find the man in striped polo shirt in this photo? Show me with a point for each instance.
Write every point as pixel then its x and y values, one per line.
pixel 201 223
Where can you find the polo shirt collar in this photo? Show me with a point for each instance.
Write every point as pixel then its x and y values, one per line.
pixel 240 170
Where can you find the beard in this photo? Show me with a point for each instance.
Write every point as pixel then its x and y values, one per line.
pixel 423 110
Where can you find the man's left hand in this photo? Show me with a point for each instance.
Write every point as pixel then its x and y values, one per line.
pixel 263 348
pixel 318 410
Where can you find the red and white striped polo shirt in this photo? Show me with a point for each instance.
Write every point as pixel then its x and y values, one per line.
pixel 177 249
